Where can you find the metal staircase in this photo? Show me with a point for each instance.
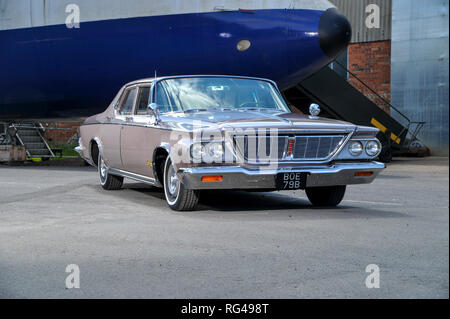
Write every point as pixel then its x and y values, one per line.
pixel 30 135
pixel 340 100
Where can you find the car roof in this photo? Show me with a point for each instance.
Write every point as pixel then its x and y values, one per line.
pixel 157 79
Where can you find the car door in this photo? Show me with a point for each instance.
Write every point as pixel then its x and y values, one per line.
pixel 111 130
pixel 138 139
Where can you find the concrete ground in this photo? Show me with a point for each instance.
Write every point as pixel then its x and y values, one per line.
pixel 129 244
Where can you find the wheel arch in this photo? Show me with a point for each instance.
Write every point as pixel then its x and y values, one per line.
pixel 95 147
pixel 160 153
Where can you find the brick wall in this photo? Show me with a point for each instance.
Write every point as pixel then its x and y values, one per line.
pixel 371 62
pixel 63 134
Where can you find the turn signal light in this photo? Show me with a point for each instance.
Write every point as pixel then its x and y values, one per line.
pixel 365 174
pixel 212 178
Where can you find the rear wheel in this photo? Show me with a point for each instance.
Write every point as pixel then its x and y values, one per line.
pixel 177 197
pixel 326 196
pixel 107 180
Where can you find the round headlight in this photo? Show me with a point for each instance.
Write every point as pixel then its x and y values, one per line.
pixel 197 151
pixel 373 148
pixel 355 148
pixel 215 150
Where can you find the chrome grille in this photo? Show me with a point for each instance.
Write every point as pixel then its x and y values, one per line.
pixel 257 149
pixel 316 147
pixel 313 147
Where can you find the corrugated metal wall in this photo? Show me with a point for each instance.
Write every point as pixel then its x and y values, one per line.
pixel 420 67
pixel 355 11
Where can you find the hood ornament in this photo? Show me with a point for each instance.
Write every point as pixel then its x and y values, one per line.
pixel 314 109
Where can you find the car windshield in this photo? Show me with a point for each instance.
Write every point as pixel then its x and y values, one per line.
pixel 208 93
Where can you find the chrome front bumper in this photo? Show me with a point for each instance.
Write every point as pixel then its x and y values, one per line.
pixel 79 150
pixel 242 178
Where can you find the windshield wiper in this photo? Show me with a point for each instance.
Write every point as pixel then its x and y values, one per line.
pixel 209 109
pixel 221 108
pixel 242 109
pixel 259 109
pixel 195 110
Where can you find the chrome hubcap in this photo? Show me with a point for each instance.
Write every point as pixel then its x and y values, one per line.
pixel 102 168
pixel 172 181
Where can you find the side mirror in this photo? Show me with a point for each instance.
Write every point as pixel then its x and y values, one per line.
pixel 153 110
pixel 314 109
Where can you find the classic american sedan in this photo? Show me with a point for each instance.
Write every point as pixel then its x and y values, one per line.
pixel 191 133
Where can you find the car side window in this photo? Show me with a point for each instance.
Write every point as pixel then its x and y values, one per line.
pixel 142 100
pixel 127 102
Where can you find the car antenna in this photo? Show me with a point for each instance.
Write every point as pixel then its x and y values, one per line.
pixel 155 74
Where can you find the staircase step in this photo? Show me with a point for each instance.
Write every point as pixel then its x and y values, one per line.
pixel 35 146
pixel 38 152
pixel 30 139
pixel 23 132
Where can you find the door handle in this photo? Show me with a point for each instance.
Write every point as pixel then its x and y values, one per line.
pixel 128 119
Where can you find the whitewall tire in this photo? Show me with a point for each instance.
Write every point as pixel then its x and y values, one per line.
pixel 107 180
pixel 177 197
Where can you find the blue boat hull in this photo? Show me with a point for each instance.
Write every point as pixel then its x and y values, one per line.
pixel 56 72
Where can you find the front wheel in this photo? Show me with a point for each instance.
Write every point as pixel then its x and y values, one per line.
pixel 386 154
pixel 329 196
pixel 108 181
pixel 177 197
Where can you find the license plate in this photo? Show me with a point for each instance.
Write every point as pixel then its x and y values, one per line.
pixel 291 180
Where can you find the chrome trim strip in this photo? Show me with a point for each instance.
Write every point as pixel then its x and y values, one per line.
pixel 299 131
pixel 134 176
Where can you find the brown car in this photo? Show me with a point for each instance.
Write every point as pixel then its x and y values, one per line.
pixel 190 133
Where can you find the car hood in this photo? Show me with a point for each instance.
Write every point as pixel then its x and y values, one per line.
pixel 252 119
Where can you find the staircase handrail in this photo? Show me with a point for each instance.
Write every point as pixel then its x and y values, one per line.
pixel 374 92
